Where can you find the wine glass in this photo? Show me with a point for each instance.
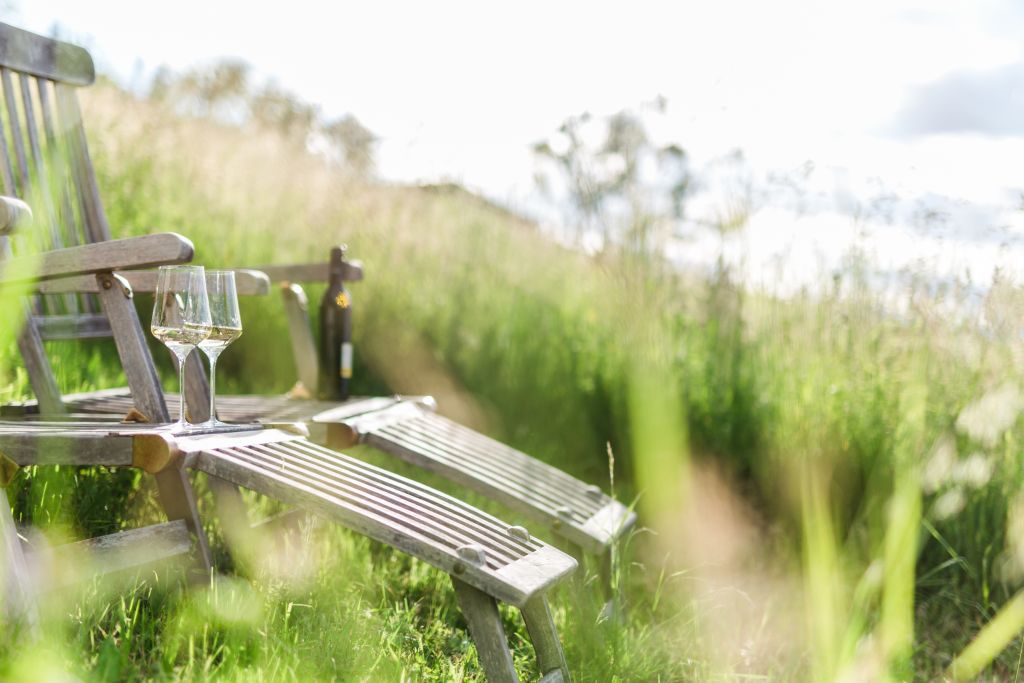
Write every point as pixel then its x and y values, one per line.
pixel 227 327
pixel 181 317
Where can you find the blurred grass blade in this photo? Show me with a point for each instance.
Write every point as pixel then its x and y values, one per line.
pixel 990 641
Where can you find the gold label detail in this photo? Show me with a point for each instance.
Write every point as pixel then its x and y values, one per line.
pixel 342 300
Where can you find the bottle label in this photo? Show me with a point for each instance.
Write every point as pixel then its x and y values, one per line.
pixel 346 360
pixel 342 300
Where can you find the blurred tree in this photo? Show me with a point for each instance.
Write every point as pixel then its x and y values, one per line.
pixel 277 108
pixel 622 187
pixel 227 92
pixel 353 142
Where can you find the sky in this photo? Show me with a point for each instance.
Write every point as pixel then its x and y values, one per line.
pixel 902 110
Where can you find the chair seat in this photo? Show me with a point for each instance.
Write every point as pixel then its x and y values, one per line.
pixel 502 561
pixel 411 431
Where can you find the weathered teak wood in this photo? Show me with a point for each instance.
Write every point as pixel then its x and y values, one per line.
pixel 13 120
pixel 544 636
pixel 408 429
pixel 16 580
pixel 486 559
pixel 82 170
pixel 176 494
pixel 80 326
pixel 27 52
pixel 247 283
pixel 197 387
pixel 143 381
pixel 179 502
pixel 40 373
pixel 484 621
pixel 304 350
pixel 311 272
pixel 438 529
pixel 146 251
pixel 574 510
pixel 129 549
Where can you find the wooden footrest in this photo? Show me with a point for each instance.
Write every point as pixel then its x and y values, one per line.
pixel 503 561
pixel 579 512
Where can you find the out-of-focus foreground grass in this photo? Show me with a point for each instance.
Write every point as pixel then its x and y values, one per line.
pixel 827 492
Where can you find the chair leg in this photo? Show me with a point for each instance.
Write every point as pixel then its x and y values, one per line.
pixel 233 516
pixel 605 571
pixel 541 627
pixel 179 502
pixel 481 612
pixel 18 604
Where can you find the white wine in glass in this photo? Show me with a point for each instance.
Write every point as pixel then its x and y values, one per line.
pixel 226 327
pixel 181 317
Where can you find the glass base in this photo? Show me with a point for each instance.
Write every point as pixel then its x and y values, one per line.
pixel 213 422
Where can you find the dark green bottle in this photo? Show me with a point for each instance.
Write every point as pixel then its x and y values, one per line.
pixel 336 332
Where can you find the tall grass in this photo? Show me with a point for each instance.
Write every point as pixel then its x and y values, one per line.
pixel 825 492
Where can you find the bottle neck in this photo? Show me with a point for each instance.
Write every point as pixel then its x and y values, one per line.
pixel 336 272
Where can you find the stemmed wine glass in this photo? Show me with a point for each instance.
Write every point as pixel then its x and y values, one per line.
pixel 227 327
pixel 181 317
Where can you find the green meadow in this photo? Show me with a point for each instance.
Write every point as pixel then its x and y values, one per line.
pixel 826 491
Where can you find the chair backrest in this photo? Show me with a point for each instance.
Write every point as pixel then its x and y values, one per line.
pixel 44 159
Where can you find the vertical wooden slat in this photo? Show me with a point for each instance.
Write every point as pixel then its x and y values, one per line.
pixel 40 167
pixel 40 372
pixel 6 168
pixel 15 126
pixel 304 351
pixel 18 598
pixel 85 178
pixel 45 204
pixel 30 344
pixel 57 148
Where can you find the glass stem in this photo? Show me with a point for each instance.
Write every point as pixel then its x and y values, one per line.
pixel 181 385
pixel 213 387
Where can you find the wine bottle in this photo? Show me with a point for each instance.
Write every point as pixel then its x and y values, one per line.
pixel 336 332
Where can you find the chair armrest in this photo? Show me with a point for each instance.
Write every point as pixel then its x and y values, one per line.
pixel 102 257
pixel 247 282
pixel 13 212
pixel 311 272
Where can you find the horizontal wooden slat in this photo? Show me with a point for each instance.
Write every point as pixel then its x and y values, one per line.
pixel 27 445
pixel 123 550
pixel 577 511
pixel 379 504
pixel 82 326
pixel 311 272
pixel 125 254
pixel 56 60
pixel 247 282
pixel 408 429
pixel 13 213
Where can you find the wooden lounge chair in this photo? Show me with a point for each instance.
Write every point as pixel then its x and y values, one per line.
pixel 487 559
pixel 581 513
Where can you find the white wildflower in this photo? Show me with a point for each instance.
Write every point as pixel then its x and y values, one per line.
pixel 948 504
pixel 990 416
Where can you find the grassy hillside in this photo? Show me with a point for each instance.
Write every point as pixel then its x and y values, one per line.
pixel 826 491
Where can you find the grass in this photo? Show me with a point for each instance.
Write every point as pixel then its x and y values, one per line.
pixel 825 492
